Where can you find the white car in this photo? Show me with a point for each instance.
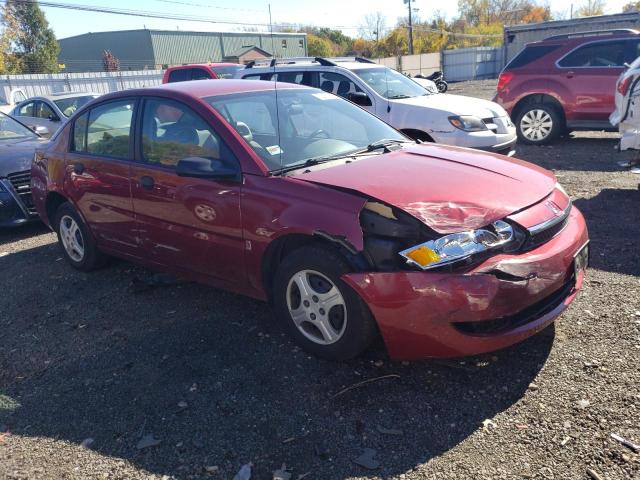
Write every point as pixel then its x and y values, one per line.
pixel 399 101
pixel 627 113
pixel 51 111
pixel 14 97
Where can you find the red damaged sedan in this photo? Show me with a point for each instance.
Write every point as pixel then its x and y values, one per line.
pixel 289 194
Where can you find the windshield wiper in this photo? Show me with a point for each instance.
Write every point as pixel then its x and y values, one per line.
pixel 309 163
pixel 383 143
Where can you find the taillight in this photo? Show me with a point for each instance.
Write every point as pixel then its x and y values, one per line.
pixel 623 86
pixel 504 79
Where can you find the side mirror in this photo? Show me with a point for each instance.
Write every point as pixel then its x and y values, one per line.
pixel 53 118
pixel 360 98
pixel 200 167
pixel 41 130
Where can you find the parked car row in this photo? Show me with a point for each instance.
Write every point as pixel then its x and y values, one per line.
pixel 335 189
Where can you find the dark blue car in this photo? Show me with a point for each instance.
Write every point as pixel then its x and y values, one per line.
pixel 17 146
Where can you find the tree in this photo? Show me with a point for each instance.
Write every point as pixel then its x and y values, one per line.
pixel 110 62
pixel 374 26
pixel 590 8
pixel 631 7
pixel 319 47
pixel 33 45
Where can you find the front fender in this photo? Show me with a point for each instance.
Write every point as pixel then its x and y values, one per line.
pixel 274 207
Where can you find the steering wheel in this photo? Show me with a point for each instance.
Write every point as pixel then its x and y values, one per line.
pixel 317 133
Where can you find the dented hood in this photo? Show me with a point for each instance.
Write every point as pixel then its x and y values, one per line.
pixel 449 188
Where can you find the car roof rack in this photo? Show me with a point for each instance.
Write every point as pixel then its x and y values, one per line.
pixel 594 33
pixel 325 62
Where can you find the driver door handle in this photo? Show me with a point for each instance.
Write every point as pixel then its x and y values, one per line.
pixel 78 168
pixel 570 74
pixel 147 182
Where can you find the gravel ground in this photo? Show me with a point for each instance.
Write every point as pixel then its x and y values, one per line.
pixel 90 364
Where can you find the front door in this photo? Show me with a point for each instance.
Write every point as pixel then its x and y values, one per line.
pixel 190 224
pixel 589 75
pixel 99 172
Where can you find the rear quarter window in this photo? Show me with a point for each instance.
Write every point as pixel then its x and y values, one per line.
pixel 530 55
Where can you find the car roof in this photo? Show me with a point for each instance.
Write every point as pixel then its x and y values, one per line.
pixel 587 37
pixel 60 96
pixel 208 88
pixel 214 64
pixel 314 65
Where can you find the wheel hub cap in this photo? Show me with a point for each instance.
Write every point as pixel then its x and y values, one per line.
pixel 71 237
pixel 536 125
pixel 317 307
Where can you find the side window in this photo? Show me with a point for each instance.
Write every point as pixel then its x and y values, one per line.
pixel 301 78
pixel 337 84
pixel 45 111
pixel 109 129
pixel 199 74
pixel 172 131
pixel 27 110
pixel 600 54
pixel 180 75
pixel 258 76
pixel 80 133
pixel 633 51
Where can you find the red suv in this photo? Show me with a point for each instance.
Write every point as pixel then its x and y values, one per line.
pixel 200 71
pixel 565 82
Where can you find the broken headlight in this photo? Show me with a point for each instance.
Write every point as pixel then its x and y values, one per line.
pixel 461 246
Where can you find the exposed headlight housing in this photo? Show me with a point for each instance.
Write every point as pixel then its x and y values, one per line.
pixel 468 123
pixel 457 247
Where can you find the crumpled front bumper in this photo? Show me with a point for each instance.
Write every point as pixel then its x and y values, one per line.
pixel 426 315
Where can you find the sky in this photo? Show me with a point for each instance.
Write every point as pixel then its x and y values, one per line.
pixel 346 15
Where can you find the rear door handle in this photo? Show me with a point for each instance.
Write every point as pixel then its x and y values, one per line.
pixel 147 182
pixel 78 168
pixel 570 74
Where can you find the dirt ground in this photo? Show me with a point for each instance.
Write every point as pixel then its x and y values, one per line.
pixel 93 364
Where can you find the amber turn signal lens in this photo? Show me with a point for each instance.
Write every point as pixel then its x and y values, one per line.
pixel 423 256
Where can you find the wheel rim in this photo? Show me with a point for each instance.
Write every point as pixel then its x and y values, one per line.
pixel 317 307
pixel 71 237
pixel 536 125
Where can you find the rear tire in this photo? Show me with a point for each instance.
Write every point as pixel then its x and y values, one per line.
pixel 321 313
pixel 75 239
pixel 539 123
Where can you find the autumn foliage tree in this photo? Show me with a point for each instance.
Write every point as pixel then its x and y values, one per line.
pixel 31 46
pixel 110 62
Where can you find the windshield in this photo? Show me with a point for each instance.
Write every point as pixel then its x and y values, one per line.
pixel 227 72
pixel 68 106
pixel 10 129
pixel 390 83
pixel 305 124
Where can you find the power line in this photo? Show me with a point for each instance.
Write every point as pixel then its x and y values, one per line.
pixel 201 19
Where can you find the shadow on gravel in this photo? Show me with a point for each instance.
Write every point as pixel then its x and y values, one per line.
pixel 614 229
pixel 575 154
pixel 92 359
pixel 10 235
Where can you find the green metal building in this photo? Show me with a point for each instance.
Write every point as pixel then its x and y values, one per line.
pixel 155 49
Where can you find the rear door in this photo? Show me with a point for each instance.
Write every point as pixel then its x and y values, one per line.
pixel 589 75
pixel 190 224
pixel 99 171
pixel 26 113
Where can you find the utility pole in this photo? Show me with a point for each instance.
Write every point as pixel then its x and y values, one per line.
pixel 408 2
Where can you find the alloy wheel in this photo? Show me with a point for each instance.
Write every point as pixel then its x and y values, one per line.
pixel 317 307
pixel 71 237
pixel 536 125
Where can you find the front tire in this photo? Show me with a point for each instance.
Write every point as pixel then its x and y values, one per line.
pixel 538 124
pixel 321 313
pixel 75 240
